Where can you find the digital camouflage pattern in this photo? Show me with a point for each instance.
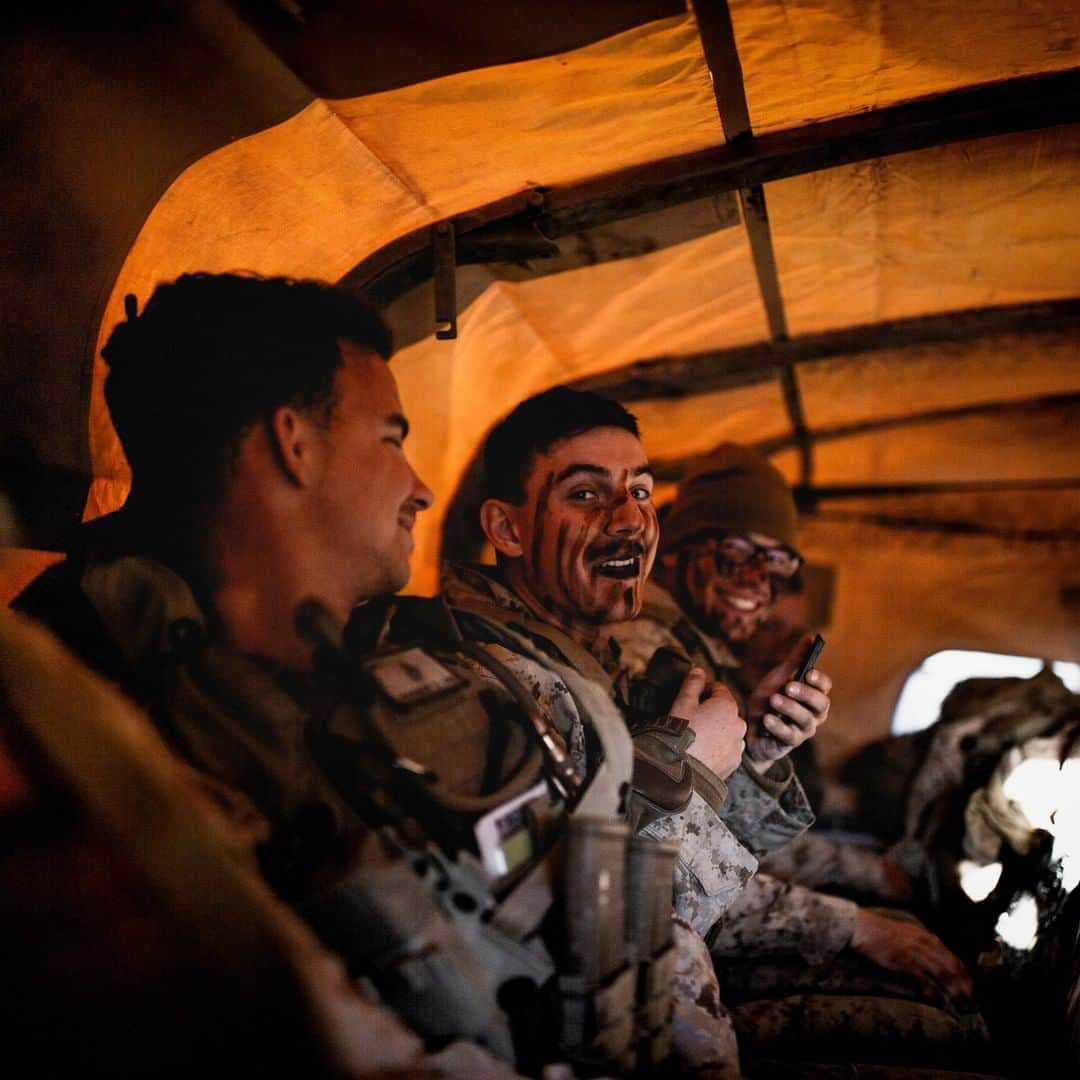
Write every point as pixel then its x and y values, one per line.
pixel 781 949
pixel 712 864
pixel 703 1028
pixel 713 867
pixel 769 917
pixel 766 811
pixel 703 1035
pixel 863 1029
pixel 245 722
pixel 818 863
pixel 772 918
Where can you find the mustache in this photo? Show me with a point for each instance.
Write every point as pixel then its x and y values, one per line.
pixel 619 549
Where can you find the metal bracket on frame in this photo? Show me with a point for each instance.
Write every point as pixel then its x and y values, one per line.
pixel 445 280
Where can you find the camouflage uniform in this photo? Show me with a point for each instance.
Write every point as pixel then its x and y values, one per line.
pixel 766 813
pixel 253 726
pixel 713 864
pixel 791 853
pixel 139 939
pixel 712 867
pixel 781 948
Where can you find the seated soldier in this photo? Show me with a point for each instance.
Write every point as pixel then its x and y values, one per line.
pixel 569 512
pixel 137 936
pixel 728 552
pixel 570 516
pixel 410 804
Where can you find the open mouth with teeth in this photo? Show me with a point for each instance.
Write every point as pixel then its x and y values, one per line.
pixel 619 569
pixel 742 603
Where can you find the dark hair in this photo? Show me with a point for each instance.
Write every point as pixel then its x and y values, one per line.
pixel 535 426
pixel 212 355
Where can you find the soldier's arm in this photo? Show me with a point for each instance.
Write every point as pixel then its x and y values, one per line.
pixel 713 867
pixel 775 918
pixel 766 810
pixel 820 863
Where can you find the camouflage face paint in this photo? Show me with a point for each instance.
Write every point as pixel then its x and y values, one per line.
pixel 725 598
pixel 592 531
pixel 540 516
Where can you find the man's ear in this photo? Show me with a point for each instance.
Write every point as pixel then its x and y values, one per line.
pixel 292 442
pixel 498 519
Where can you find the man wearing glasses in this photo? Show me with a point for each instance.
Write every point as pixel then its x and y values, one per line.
pixel 727 547
pixel 727 550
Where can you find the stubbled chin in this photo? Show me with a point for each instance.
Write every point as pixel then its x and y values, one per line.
pixel 617 600
pixel 739 625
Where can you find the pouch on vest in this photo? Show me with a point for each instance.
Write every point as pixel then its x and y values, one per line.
pixel 424 738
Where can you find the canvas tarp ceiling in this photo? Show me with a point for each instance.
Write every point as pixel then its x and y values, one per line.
pixel 317 180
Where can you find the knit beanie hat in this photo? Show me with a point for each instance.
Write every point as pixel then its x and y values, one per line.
pixel 733 489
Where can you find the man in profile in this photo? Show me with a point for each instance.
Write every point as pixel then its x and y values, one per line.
pixel 137 936
pixel 272 505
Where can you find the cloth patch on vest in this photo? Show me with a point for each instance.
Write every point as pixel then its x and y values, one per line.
pixel 412 676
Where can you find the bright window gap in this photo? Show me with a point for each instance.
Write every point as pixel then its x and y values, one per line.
pixel 927 686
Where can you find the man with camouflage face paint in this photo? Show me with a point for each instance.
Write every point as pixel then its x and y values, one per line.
pixel 580 545
pixel 728 552
pixel 569 513
pixel 571 518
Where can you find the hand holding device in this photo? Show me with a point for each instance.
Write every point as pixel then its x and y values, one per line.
pixel 805 667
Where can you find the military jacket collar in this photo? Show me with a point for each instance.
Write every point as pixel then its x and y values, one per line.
pixel 658 604
pixel 482 588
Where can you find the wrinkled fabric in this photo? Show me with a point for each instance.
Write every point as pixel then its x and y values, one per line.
pixel 712 864
pixel 232 715
pixel 194 963
pixel 551 694
pixel 654 629
pixel 766 812
pixel 713 867
pixel 860 1028
pixel 818 863
pixel 702 1031
pixel 774 918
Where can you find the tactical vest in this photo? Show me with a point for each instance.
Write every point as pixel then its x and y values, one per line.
pixel 439 866
pixel 601 969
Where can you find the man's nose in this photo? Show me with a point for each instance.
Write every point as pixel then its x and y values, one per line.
pixel 422 496
pixel 754 570
pixel 626 518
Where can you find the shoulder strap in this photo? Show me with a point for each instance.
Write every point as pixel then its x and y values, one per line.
pixel 590 689
pixel 548 639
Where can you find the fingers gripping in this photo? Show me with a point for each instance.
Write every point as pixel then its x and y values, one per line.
pixel 688 698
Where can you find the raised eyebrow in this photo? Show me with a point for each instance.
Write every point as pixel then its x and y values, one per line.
pixel 599 470
pixel 582 467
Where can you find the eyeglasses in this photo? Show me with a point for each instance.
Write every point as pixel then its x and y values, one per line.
pixel 740 550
